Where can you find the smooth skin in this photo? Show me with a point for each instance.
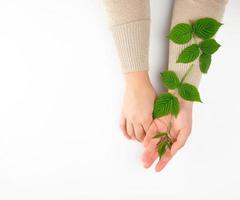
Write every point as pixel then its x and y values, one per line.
pixel 180 131
pixel 137 107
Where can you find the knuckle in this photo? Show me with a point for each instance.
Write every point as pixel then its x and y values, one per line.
pixel 140 137
pixel 134 118
pixel 130 132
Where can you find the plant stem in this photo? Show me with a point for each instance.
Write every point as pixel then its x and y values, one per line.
pixel 186 73
pixel 169 127
pixel 174 93
pixel 168 137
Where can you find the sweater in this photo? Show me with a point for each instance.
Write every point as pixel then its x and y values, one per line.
pixel 129 21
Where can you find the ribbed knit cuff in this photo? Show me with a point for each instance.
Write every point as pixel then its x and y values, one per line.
pixel 132 42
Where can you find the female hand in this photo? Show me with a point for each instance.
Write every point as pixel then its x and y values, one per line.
pixel 181 129
pixel 137 105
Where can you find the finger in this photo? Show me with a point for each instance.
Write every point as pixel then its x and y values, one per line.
pixel 150 133
pixel 150 160
pixel 162 123
pixel 123 127
pixel 130 130
pixel 146 155
pixel 139 132
pixel 163 161
pixel 161 127
pixel 147 124
pixel 152 144
pixel 179 143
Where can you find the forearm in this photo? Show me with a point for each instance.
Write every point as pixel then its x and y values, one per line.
pixel 185 11
pixel 130 24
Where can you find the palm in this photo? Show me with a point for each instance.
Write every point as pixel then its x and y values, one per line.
pixel 180 130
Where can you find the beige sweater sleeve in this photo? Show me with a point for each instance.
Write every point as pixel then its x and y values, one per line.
pixel 129 21
pixel 186 11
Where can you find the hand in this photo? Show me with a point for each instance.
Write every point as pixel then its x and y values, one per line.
pixel 181 129
pixel 137 105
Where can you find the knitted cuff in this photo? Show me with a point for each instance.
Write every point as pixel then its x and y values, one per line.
pixel 132 42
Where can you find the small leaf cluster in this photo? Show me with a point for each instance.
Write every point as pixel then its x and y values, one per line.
pixel 205 29
pixel 165 143
pixel 167 103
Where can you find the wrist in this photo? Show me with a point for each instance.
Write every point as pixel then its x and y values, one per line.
pixel 137 79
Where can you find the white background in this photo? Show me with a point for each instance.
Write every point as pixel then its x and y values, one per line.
pixel 60 98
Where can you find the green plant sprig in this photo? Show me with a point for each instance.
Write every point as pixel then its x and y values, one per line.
pixel 167 103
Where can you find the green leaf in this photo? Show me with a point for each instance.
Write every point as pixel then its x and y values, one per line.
pixel 189 54
pixel 209 46
pixel 162 147
pixel 205 62
pixel 170 79
pixel 206 28
pixel 159 135
pixel 166 104
pixel 175 107
pixel 189 92
pixel 181 33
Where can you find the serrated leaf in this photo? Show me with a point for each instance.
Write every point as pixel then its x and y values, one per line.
pixel 189 92
pixel 170 79
pixel 189 54
pixel 162 105
pixel 166 104
pixel 206 28
pixel 159 135
pixel 162 147
pixel 181 33
pixel 175 107
pixel 205 62
pixel 209 46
